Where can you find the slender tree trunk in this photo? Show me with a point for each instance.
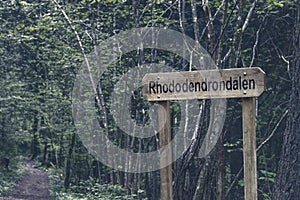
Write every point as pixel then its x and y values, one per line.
pixel 60 157
pixel 45 152
pixel 35 149
pixel 287 184
pixel 68 164
pixel 220 170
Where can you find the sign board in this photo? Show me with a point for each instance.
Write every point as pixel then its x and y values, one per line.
pixel 204 84
pixel 245 83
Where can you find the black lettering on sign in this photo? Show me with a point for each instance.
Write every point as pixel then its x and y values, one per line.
pixel 187 86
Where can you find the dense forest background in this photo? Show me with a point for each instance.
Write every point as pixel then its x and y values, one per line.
pixel 43 44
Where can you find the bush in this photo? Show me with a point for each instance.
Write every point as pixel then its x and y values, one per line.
pixel 8 178
pixel 86 190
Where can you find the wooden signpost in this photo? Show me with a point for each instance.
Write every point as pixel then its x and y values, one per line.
pixel 246 83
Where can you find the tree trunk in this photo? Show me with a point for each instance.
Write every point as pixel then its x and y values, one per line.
pixel 220 170
pixel 68 165
pixel 35 149
pixel 287 184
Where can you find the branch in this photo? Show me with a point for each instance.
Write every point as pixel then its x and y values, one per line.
pixel 233 182
pixel 224 27
pixel 249 15
pixel 195 20
pixel 79 42
pixel 256 42
pixel 98 93
pixel 257 149
pixel 210 28
pixel 12 97
pixel 245 25
pixel 161 15
pixel 211 20
pixel 273 131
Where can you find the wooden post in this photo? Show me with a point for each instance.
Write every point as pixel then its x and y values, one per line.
pixel 249 149
pixel 166 154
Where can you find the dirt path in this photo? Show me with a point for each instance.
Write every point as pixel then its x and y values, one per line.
pixel 33 186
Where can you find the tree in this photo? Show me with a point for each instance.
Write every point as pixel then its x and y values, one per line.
pixel 44 42
pixel 287 185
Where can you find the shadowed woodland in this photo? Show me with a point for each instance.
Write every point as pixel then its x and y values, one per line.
pixel 43 45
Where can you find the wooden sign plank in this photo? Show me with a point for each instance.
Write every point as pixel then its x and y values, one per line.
pixel 204 84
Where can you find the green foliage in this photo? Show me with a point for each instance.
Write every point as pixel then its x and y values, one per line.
pixel 8 179
pixel 86 190
pixel 40 55
pixel 267 176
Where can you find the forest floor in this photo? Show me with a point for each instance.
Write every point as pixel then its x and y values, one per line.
pixel 34 185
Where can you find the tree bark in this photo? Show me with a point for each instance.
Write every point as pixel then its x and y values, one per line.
pixel 35 149
pixel 287 183
pixel 220 170
pixel 68 164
